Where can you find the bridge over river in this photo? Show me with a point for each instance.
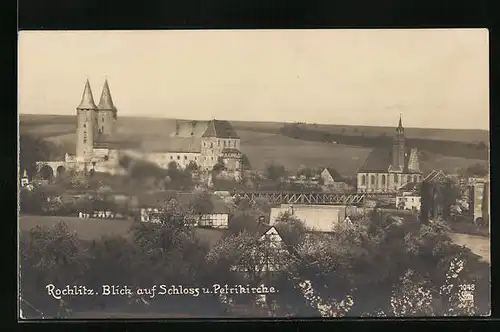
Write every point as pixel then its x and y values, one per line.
pixel 319 198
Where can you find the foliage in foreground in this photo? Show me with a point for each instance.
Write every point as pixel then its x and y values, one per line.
pixel 368 268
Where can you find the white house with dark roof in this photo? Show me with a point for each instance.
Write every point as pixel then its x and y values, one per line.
pixel 387 169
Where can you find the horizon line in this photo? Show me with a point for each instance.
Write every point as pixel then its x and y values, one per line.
pixel 267 121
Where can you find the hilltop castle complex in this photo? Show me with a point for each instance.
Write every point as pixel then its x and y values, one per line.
pixel 99 148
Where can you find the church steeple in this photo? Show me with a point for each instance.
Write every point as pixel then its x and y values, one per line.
pixel 398 148
pixel 87 98
pixel 106 102
pixel 400 129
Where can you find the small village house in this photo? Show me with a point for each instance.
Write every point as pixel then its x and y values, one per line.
pixel 151 207
pixel 333 180
pixel 269 254
pixel 408 197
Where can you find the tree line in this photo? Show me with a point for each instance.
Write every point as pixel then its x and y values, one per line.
pixel 443 147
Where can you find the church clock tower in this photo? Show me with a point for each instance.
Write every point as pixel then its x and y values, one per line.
pixel 398 149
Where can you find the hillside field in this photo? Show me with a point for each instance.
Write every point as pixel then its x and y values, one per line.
pixel 262 141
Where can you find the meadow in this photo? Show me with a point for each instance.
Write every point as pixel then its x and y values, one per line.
pixel 86 229
pixel 262 141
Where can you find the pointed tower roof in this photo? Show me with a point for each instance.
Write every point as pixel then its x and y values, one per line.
pixel 106 102
pixel 87 98
pixel 400 128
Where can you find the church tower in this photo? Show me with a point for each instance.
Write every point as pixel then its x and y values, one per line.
pixel 86 120
pixel 106 114
pixel 398 148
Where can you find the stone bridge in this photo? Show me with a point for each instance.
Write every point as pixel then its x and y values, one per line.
pixel 50 169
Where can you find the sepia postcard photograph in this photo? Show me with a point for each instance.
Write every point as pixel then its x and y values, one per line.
pixel 253 174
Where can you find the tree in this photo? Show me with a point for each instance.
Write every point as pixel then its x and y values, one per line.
pixel 425 202
pixel 275 171
pixel 479 170
pixel 291 228
pixel 192 166
pixel 33 149
pixel 450 193
pixel 49 256
pixel 306 172
pixel 201 203
pixel 245 162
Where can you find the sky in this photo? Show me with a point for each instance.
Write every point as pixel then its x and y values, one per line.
pixel 434 78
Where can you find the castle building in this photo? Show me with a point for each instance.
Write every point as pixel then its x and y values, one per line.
pixel 98 147
pixel 388 169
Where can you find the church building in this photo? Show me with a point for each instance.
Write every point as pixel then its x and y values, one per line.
pixel 388 169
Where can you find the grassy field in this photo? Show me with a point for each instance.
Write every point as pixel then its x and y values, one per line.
pixel 86 229
pixel 261 141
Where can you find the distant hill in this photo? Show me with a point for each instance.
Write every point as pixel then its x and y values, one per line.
pixel 263 142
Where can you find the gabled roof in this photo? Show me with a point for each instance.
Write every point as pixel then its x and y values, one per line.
pixel 106 102
pixel 434 175
pixel 220 129
pixel 379 160
pixel 187 128
pixel 159 198
pixel 87 98
pixel 173 144
pixel 335 175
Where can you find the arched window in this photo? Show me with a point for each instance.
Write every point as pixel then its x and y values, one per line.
pixel 225 143
pixel 211 145
pixel 383 180
pixel 373 179
pixel 363 180
pixel 415 178
pixel 408 178
pixel 395 178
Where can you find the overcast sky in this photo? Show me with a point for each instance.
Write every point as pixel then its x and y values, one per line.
pixel 436 78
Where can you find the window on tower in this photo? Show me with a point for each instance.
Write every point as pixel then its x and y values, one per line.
pixel 84 125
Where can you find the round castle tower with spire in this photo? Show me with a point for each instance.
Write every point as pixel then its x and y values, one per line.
pixel 94 123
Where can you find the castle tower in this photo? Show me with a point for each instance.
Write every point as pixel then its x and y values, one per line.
pixel 398 148
pixel 86 120
pixel 106 114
